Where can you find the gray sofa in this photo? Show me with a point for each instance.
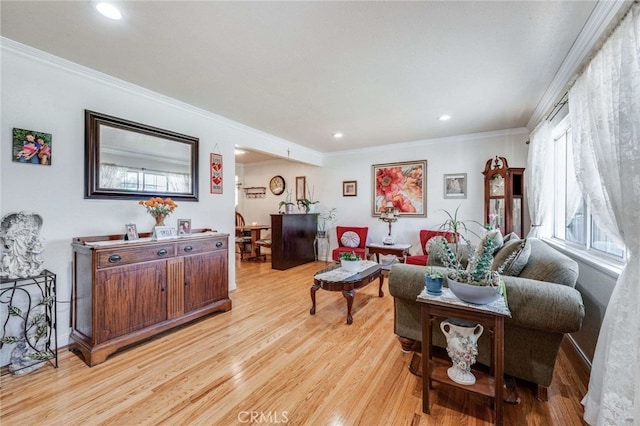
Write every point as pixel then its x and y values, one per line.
pixel 544 306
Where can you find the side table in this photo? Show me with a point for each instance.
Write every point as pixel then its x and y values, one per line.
pixel 398 250
pixel 29 329
pixel 435 370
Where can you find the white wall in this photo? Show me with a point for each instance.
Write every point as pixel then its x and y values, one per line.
pixel 461 154
pixel 47 94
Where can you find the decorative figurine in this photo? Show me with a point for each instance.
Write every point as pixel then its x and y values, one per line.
pixel 21 245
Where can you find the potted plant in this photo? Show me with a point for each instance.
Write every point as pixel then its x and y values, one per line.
pixel 350 261
pixel 307 203
pixel 433 281
pixel 324 220
pixel 474 282
pixel 286 203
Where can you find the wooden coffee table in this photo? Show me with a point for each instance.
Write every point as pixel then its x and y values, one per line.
pixel 347 286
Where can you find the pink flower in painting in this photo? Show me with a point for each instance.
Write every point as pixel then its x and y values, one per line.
pixel 403 204
pixel 413 184
pixel 389 181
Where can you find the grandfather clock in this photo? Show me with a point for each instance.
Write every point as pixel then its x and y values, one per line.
pixel 503 196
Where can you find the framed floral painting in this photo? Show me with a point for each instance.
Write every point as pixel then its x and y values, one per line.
pixel 404 184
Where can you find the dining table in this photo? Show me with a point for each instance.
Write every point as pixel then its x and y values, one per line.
pixel 255 231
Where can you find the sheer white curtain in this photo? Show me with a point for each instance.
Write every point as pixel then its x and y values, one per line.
pixel 539 178
pixel 573 194
pixel 604 108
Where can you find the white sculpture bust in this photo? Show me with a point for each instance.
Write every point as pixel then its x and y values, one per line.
pixel 21 245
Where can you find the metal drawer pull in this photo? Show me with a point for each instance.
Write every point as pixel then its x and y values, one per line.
pixel 219 244
pixel 188 249
pixel 114 258
pixel 162 252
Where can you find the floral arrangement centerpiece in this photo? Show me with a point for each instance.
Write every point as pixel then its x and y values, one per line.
pixel 159 208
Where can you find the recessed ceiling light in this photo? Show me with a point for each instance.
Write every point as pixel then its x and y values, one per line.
pixel 239 151
pixel 444 117
pixel 109 10
pixel 337 135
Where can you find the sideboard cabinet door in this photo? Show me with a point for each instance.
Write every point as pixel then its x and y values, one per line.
pixel 203 284
pixel 134 297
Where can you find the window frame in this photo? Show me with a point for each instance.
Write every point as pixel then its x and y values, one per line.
pixel 587 250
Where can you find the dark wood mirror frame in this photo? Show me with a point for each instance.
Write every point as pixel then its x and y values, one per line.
pixel 96 123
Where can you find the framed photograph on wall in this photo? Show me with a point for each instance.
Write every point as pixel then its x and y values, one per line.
pixel 350 188
pixel 301 189
pixel 31 147
pixel 402 184
pixel 455 185
pixel 131 232
pixel 184 226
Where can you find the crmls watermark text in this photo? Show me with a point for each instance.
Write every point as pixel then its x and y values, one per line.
pixel 262 417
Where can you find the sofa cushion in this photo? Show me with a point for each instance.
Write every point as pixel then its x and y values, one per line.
pixel 350 239
pixel 512 257
pixel 494 235
pixel 510 236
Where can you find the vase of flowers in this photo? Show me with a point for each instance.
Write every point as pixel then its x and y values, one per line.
pixel 159 208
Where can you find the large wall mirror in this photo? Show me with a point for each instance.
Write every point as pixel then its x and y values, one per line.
pixel 129 160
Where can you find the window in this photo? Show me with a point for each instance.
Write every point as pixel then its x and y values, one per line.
pixel 573 221
pixel 132 179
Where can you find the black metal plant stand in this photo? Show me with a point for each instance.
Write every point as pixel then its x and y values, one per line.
pixel 28 319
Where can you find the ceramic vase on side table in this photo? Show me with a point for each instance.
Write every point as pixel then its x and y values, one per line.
pixel 462 348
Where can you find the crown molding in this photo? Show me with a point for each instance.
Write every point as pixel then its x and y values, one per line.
pixel 449 139
pixel 604 15
pixel 307 155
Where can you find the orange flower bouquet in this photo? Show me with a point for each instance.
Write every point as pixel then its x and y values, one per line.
pixel 159 208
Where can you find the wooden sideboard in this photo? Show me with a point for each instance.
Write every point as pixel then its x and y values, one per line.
pixel 127 291
pixel 292 239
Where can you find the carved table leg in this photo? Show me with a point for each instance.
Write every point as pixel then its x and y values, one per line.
pixel 380 293
pixel 348 294
pixel 314 288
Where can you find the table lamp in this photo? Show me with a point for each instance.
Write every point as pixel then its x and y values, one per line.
pixel 389 214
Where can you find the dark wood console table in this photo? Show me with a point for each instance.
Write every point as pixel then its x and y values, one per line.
pixel 292 239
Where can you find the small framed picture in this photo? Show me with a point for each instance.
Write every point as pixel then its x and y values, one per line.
pixel 349 188
pixel 301 183
pixel 31 147
pixel 184 226
pixel 132 232
pixel 455 185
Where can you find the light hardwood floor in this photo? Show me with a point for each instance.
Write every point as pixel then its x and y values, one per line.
pixel 269 359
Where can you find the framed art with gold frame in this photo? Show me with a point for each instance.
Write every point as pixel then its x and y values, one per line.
pixel 403 184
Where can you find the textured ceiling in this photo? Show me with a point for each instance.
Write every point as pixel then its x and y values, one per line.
pixel 379 72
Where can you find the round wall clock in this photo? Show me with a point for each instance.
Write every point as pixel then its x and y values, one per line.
pixel 276 185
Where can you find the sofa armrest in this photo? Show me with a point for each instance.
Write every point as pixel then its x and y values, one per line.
pixel 544 306
pixel 406 281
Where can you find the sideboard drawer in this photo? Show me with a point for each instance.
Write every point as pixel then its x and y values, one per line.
pixel 201 246
pixel 116 257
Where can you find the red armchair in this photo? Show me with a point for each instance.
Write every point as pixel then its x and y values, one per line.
pixel 361 248
pixel 426 235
